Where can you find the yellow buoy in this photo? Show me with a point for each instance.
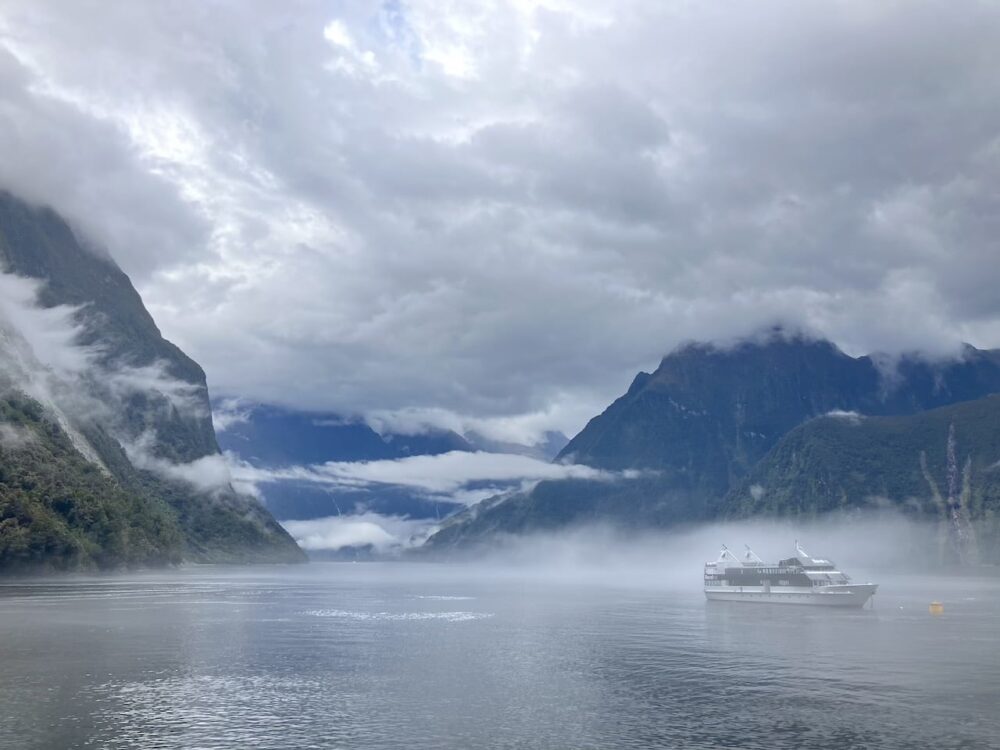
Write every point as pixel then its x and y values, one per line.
pixel 936 608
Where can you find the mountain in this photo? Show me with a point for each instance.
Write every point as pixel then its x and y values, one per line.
pixel 940 464
pixel 108 454
pixel 694 428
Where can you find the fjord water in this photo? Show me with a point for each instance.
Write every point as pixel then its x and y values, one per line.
pixel 449 656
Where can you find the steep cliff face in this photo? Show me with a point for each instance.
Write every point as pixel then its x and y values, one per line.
pixel 94 389
pixel 694 428
pixel 36 243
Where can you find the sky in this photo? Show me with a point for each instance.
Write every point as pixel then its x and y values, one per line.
pixel 491 215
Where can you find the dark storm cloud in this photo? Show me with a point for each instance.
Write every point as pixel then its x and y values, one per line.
pixel 490 215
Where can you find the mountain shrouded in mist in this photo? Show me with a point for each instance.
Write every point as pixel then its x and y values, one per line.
pixel 107 452
pixel 109 457
pixel 688 435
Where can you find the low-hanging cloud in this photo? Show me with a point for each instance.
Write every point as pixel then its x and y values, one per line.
pixel 39 338
pixel 206 474
pixel 459 476
pixel 42 357
pixel 851 417
pixel 527 429
pixel 494 214
pixel 185 397
pixel 384 534
pixel 865 544
pixel 229 412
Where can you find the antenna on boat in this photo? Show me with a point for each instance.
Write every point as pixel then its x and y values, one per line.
pixel 727 554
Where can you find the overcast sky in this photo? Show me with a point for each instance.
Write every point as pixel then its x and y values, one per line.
pixel 494 214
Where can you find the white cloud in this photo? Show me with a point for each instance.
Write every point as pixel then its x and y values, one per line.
pixel 209 473
pixel 561 414
pixel 466 477
pixel 41 355
pixel 494 214
pixel 153 378
pixel 229 412
pixel 385 534
pixel 37 337
pixel 852 417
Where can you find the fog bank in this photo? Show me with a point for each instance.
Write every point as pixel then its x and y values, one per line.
pixel 862 544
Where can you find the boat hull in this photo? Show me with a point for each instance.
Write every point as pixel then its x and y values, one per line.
pixel 848 595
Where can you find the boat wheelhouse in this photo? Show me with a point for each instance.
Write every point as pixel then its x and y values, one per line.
pixel 800 579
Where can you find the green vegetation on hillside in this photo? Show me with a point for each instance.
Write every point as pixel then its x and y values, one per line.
pixel 60 511
pixel 836 463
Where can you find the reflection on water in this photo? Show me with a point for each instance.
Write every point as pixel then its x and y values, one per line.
pixel 382 656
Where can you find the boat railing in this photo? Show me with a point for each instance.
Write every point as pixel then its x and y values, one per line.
pixel 827 580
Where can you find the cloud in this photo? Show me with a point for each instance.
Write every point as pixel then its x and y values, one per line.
pixel 867 544
pixel 36 337
pixel 851 417
pixel 494 214
pixel 206 474
pixel 523 429
pixel 42 351
pixel 60 150
pixel 13 438
pixel 153 378
pixel 41 355
pixel 385 534
pixel 459 476
pixel 229 412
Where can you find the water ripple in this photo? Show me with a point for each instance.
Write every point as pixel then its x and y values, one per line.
pixel 399 616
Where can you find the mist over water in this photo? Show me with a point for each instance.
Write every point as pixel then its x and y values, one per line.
pixel 862 543
pixel 587 639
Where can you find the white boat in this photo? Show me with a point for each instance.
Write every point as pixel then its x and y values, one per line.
pixel 801 579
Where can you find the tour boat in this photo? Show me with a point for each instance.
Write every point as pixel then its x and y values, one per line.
pixel 801 579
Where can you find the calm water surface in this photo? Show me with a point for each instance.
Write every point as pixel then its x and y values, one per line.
pixel 432 656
